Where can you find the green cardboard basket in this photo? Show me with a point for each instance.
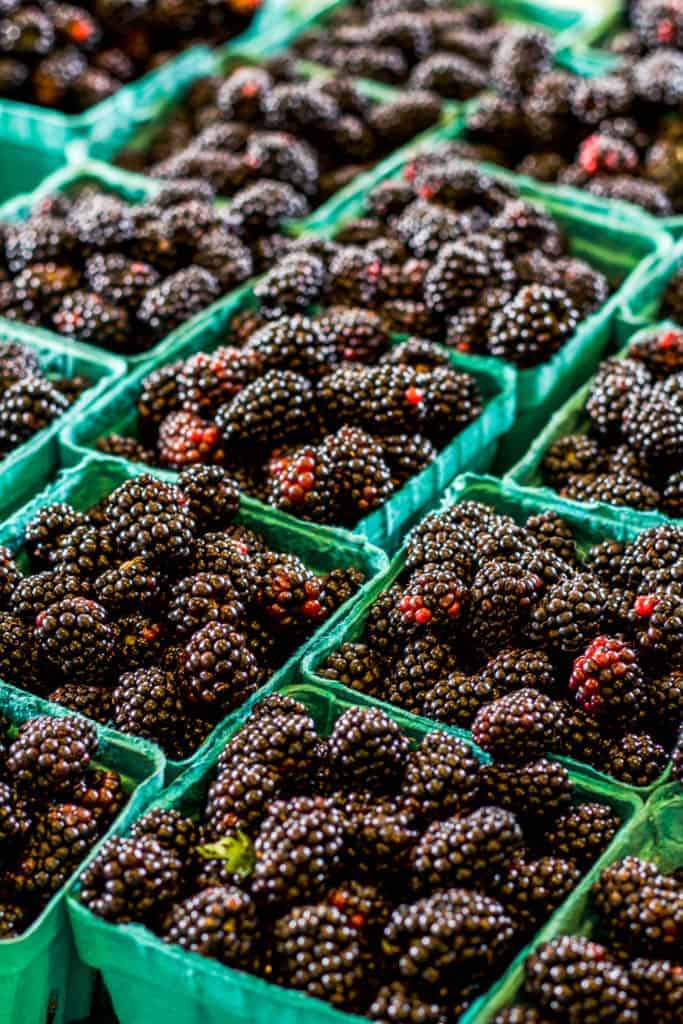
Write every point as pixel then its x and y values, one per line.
pixel 473 448
pixel 571 419
pixel 509 499
pixel 641 301
pixel 140 970
pixel 614 237
pixel 320 547
pixel 654 833
pixel 26 470
pixel 41 976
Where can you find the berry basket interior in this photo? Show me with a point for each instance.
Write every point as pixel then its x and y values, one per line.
pixel 27 468
pixel 320 548
pixel 614 237
pixel 138 968
pixel 655 834
pixel 506 498
pixel 474 448
pixel 571 418
pixel 642 299
pixel 41 976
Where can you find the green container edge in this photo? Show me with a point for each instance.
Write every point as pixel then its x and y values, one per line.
pixel 233 994
pixel 321 546
pixel 41 965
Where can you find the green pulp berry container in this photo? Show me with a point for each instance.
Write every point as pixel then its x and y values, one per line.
pixel 654 833
pixel 41 976
pixel 614 238
pixel 509 499
pixel 140 970
pixel 571 418
pixel 473 448
pixel 25 470
pixel 642 303
pixel 320 547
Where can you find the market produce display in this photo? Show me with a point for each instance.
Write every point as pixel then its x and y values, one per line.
pixel 270 121
pixel 69 57
pixel 503 628
pixel 388 877
pixel 631 964
pixel 157 612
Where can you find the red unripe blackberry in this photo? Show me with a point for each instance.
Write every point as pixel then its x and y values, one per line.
pixel 186 440
pixel 433 596
pixel 603 154
pixel 608 680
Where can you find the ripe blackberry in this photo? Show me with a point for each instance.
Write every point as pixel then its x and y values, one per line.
pixel 523 227
pixel 216 922
pixel 284 740
pixel 582 833
pixel 159 397
pixel 147 704
pixel 127 448
pixel 424 660
pixel 395 1001
pixel 119 280
pixel 456 699
pixel 462 270
pixel 672 496
pixel 76 637
pixel 131 880
pixel 259 209
pixel 60 840
pixel 576 978
pixel 355 665
pixel 367 748
pixel 220 671
pixel 339 586
pixel 452 400
pixel 205 597
pixel 294 343
pixel 217 554
pixel 516 669
pixel 406 455
pixel 381 835
pixel 358 335
pixel 20 660
pixel 88 317
pixel 92 701
pixel 51 754
pixel 27 407
pixel 86 551
pixel 659 625
pixel 213 496
pixel 531 791
pixel 151 518
pixel 658 985
pixel 358 473
pixel 572 455
pixel 522 56
pixel 662 352
pixel 243 793
pixel 569 614
pixel 521 1015
pixel 554 533
pixel 15 819
pixel 176 299
pixel 141 640
pixel 661 443
pixel 441 776
pixel 10 577
pixel 632 190
pixel 292 286
pixel 101 792
pixel 468 851
pixel 604 96
pixel 531 327
pixel 133 584
pixel 317 951
pixel 445 933
pixel 635 759
pixel 206 381
pixel 437 541
pixel 365 906
pixel 298 850
pixel 274 409
pixel 501 598
pixel 531 892
pixel 519 726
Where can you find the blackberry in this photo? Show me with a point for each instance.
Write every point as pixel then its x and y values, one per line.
pixel 661 445
pixel 462 270
pixel 571 456
pixel 379 627
pixel 41 239
pixel 575 977
pixel 92 701
pixel 394 1002
pixel 367 747
pixel 424 660
pixel 658 986
pixel 276 408
pixel 617 383
pixel 469 328
pixel 522 55
pixel 186 440
pixel 569 614
pixel 531 791
pixel 141 640
pixel 217 554
pixel 522 227
pixel 76 637
pixel 501 598
pixel 604 96
pixel 220 671
pixel 532 892
pixel 453 400
pixel 212 495
pixel 88 317
pixel 20 660
pixel 517 668
pixel 437 541
pixel 127 448
pixel 456 699
pixel 298 851
pixel 468 851
pixel 292 286
pixel 102 793
pixel 206 381
pixel 672 496
pixel 159 397
pixel 226 257
pixel 363 479
pixel 339 586
pixel 382 835
pixel 609 682
pixel 521 1015
pixel 659 626
pixel 632 190
pixel 425 227
pixel 554 533
pixel 86 551
pixel 119 280
pixel 205 597
pixel 294 343
pixel 101 216
pixel 317 951
pixel 131 880
pixel 518 726
pixel 15 819
pixel 432 596
pixel 50 755
pixel 59 842
pixel 259 209
pixel 441 776
pixel 635 759
pixel 176 299
pixel 133 584
pixel 533 326
pixel 582 833
pixel 12 920
pixel 243 793
pixel 365 906
pixel 216 922
pixel 450 75
pixel 151 519
pixel 170 829
pixel 430 940
pixel 358 335
pixel 27 407
pixel 147 704
pixel 406 456
pixel 355 665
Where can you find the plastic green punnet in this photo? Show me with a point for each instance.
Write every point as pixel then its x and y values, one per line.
pixel 140 970
pixel 321 548
pixel 614 237
pixel 509 499
pixel 26 469
pixel 571 419
pixel 654 833
pixel 642 300
pixel 473 448
pixel 40 973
